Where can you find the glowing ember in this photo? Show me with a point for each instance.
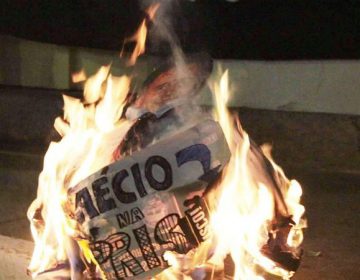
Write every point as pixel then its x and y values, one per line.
pixel 253 221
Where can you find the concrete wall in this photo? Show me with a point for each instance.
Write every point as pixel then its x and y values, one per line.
pixel 31 64
pixel 307 141
pixel 305 86
pixel 309 111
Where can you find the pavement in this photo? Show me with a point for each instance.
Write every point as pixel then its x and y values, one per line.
pixel 332 201
pixel 332 204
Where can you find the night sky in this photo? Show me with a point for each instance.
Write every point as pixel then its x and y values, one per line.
pixel 246 29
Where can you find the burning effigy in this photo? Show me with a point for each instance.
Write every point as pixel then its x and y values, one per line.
pixel 149 185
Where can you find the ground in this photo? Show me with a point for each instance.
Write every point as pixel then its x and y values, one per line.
pixel 332 205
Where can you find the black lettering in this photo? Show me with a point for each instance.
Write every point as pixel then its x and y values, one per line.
pixel 123 219
pixel 121 195
pixel 116 248
pixel 99 192
pixel 165 233
pixel 204 233
pixel 198 217
pixel 203 224
pixel 84 206
pixel 129 217
pixel 146 246
pixel 165 165
pixel 194 211
pixel 136 215
pixel 135 170
pixel 104 170
pixel 101 250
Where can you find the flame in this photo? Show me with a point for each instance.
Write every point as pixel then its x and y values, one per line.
pixel 243 209
pixel 244 205
pixel 85 127
pixel 140 35
pixel 241 204
pixel 79 76
pixel 292 198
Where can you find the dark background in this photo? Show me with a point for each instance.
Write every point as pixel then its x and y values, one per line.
pixel 247 29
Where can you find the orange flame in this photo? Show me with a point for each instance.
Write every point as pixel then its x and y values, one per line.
pixel 84 129
pixel 242 209
pixel 140 35
pixel 242 205
pixel 79 76
pixel 245 205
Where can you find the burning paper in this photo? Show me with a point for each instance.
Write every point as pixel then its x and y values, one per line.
pixel 148 185
pixel 135 209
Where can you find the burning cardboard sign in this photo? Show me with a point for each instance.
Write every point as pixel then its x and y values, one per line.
pixel 137 176
pixel 135 209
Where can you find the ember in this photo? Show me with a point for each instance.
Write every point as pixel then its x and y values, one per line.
pixel 149 185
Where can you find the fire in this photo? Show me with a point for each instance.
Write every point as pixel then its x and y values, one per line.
pixel 85 127
pixel 140 36
pixel 249 211
pixel 243 208
pixel 246 206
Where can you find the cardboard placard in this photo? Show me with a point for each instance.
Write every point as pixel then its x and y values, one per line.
pixel 135 209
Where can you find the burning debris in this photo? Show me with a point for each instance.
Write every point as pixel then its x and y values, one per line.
pixel 148 185
pixel 158 188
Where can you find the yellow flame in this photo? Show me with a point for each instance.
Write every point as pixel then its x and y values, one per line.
pixel 94 87
pixel 242 207
pixel 292 198
pixel 222 114
pixel 245 206
pixel 85 129
pixel 90 130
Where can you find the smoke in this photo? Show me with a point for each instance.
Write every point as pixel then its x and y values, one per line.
pixel 163 39
pixel 168 100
